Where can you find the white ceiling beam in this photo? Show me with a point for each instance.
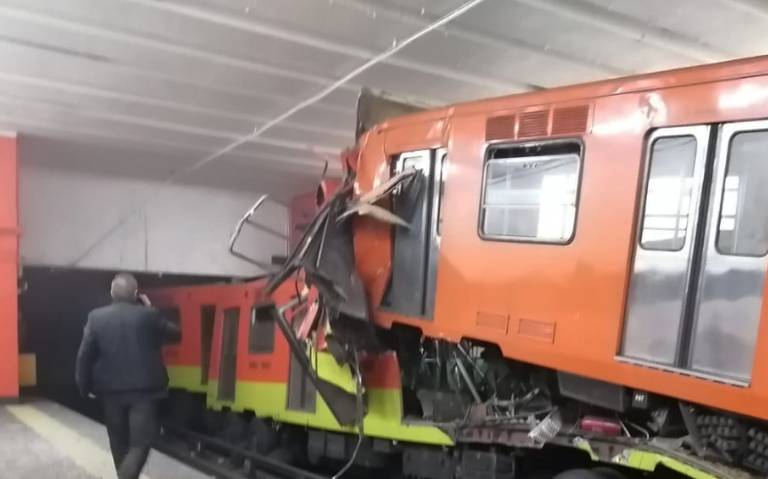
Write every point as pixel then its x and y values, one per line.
pixel 165 46
pixel 66 132
pixel 30 125
pixel 182 107
pixel 252 25
pixel 755 7
pixel 155 75
pixel 167 126
pixel 631 28
pixel 485 38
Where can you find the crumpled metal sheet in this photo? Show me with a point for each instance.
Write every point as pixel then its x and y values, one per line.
pixel 365 204
pixel 374 211
pixel 325 256
pixel 388 186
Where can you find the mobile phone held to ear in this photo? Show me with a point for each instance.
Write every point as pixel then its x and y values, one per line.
pixel 144 299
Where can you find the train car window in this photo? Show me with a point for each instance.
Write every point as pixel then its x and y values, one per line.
pixel 172 314
pixel 743 224
pixel 668 193
pixel 530 194
pixel 261 338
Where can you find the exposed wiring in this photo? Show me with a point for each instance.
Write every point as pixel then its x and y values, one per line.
pixel 464 374
pixel 624 428
pixel 638 428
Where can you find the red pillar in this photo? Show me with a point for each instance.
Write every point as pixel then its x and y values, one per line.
pixel 9 260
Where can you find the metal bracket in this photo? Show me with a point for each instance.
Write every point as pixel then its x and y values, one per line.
pixel 239 229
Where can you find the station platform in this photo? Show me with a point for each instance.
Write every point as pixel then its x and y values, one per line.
pixel 40 439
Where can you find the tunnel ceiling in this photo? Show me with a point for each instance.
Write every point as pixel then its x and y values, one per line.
pixel 179 80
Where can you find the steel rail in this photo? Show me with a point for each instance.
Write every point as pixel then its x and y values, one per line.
pixel 201 443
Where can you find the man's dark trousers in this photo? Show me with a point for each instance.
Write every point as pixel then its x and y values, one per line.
pixel 131 422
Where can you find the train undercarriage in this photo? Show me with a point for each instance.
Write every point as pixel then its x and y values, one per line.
pixel 507 420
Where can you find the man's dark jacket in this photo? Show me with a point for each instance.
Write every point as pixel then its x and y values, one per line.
pixel 121 351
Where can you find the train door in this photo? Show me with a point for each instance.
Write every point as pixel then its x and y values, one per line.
pixel 207 320
pixel 696 290
pixel 734 256
pixel 662 273
pixel 302 394
pixel 228 359
pixel 411 289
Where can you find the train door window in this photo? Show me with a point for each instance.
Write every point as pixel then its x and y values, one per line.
pixel 530 192
pixel 228 360
pixel 663 276
pixel 207 319
pixel 261 337
pixel 743 224
pixel 697 286
pixel 668 193
pixel 172 314
pixel 730 297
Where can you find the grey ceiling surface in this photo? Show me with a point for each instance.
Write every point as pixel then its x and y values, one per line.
pixel 158 85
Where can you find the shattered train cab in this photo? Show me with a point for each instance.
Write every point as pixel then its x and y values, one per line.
pixel 292 378
pixel 339 376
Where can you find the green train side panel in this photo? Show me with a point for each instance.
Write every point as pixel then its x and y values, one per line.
pixel 384 418
pixel 186 378
pixel 649 461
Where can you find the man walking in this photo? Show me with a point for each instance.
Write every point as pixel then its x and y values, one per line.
pixel 120 361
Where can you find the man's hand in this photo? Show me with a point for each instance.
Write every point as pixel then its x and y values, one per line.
pixel 144 300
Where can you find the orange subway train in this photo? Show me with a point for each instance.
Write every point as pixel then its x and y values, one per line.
pixel 582 267
pixel 615 232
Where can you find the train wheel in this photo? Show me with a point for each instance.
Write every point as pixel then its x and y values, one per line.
pixel 235 429
pixel 293 444
pixel 213 422
pixel 608 473
pixel 181 409
pixel 262 439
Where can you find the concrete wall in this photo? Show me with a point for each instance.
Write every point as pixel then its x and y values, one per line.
pixel 9 365
pixel 83 219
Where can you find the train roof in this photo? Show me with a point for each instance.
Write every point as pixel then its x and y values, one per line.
pixel 729 70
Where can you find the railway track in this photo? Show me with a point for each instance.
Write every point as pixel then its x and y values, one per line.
pixel 223 460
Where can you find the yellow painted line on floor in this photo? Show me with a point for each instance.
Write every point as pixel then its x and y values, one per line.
pixel 88 455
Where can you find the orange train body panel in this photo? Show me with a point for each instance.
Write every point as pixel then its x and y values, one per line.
pixel 270 367
pixel 560 306
pixel 188 300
